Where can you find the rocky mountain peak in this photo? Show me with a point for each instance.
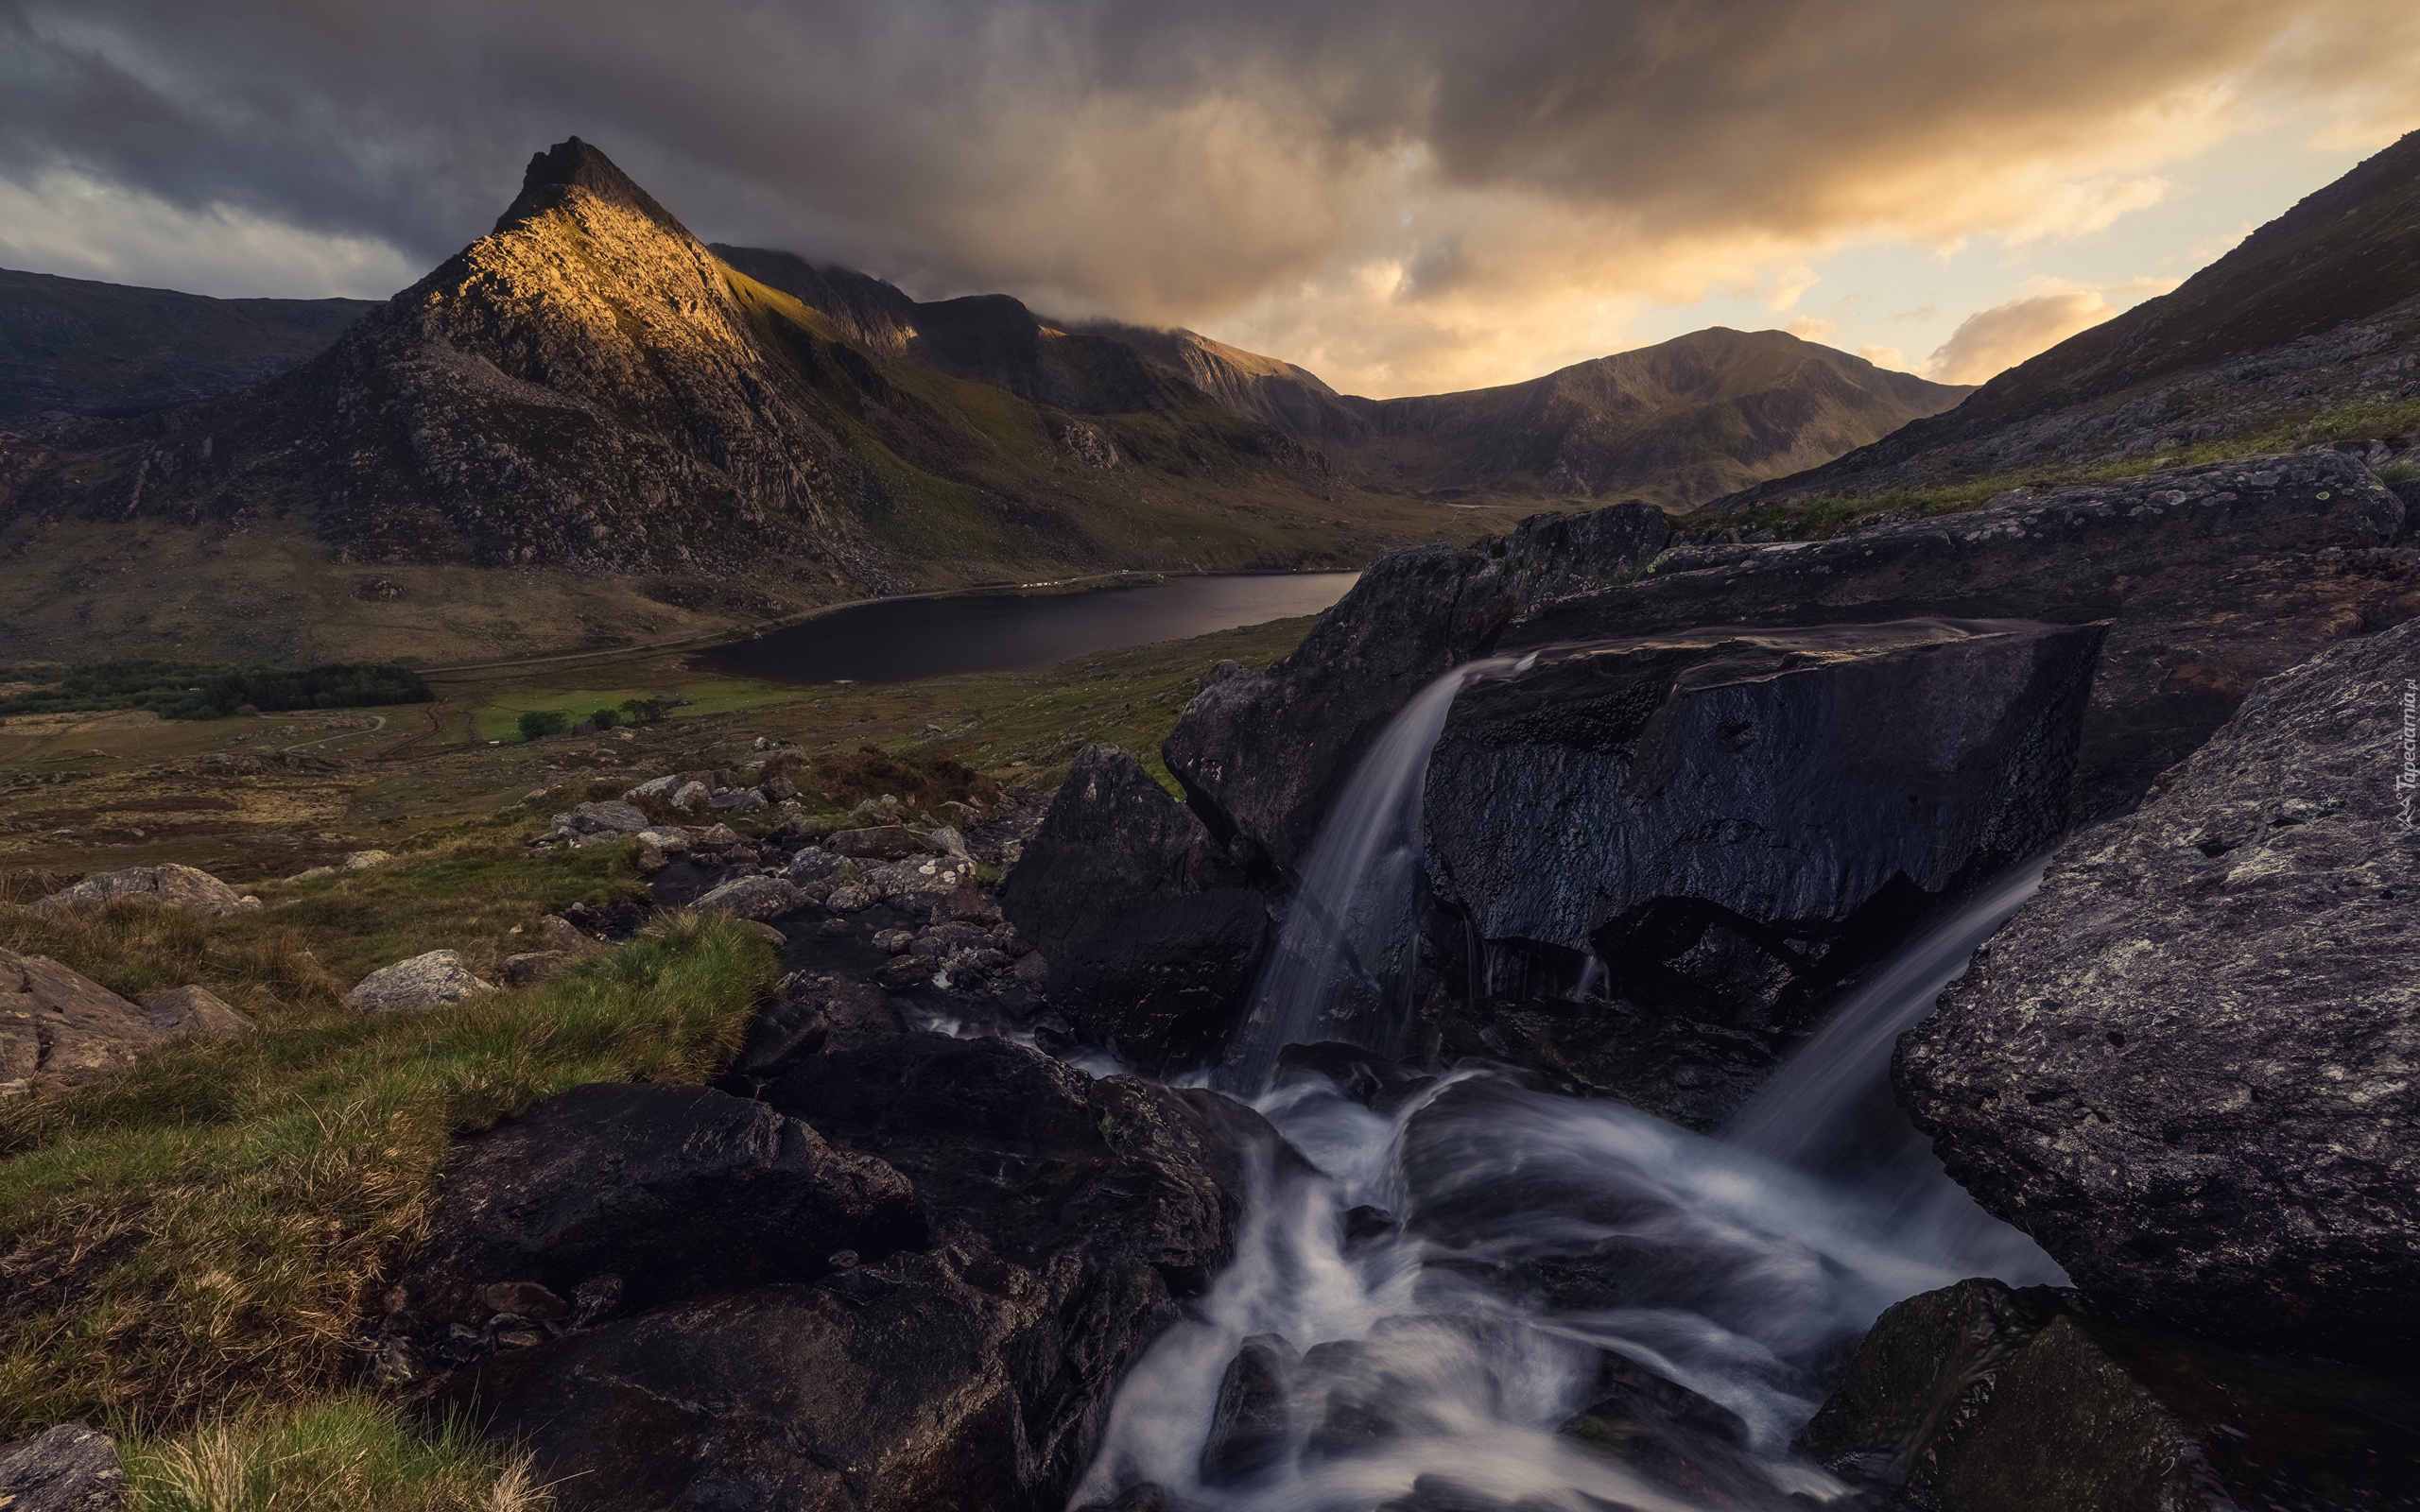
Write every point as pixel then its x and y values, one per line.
pixel 572 163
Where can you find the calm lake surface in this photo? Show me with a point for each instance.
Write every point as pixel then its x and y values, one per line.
pixel 904 640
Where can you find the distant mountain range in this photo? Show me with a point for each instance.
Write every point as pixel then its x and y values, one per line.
pixel 588 389
pixel 2316 311
pixel 69 346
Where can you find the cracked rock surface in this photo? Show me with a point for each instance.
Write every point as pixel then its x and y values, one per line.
pixel 2187 1066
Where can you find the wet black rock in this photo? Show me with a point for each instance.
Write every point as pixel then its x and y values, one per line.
pixel 1732 821
pixel 1261 753
pixel 2184 1067
pixel 1149 929
pixel 1247 1425
pixel 675 1191
pixel 894 1386
pixel 1983 1399
pixel 66 1468
pixel 1668 1433
pixel 1069 1220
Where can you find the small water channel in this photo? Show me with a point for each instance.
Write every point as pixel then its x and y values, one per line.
pixel 903 640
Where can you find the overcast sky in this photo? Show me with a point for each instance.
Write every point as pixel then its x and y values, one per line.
pixel 1403 197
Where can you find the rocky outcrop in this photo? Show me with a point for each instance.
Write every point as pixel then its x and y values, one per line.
pixel 2184 1067
pixel 416 986
pixel 757 1350
pixel 59 1026
pixel 187 889
pixel 1730 823
pixel 1148 926
pixel 1260 753
pixel 1983 1399
pixel 2211 578
pixel 67 1468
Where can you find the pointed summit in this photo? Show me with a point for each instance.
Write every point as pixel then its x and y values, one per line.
pixel 572 163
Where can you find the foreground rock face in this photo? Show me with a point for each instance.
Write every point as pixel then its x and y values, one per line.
pixel 775 1357
pixel 186 890
pixel 1773 786
pixel 1983 1399
pixel 1148 927
pixel 2185 1068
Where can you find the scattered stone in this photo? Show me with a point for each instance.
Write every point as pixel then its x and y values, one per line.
pixel 768 934
pixel 848 900
pixel 560 934
pixel 719 837
pixel 416 986
pixel 670 841
pixel 756 898
pixel 364 860
pixel 2184 1067
pixel 812 863
pixel 530 967
pixel 184 888
pixel 944 840
pixel 692 796
pixel 192 1009
pixel 885 842
pixel 892 941
pixel 658 788
pixel 67 1468
pixel 608 819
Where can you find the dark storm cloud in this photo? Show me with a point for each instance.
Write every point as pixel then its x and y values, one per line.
pixel 1162 161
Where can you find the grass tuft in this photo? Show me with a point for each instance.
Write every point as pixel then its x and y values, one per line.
pixel 344 1454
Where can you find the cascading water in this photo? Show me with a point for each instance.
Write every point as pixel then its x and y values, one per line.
pixel 1445 1288
pixel 1349 929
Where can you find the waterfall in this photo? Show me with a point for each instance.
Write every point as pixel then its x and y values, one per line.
pixel 1349 933
pixel 1434 1297
pixel 1827 1108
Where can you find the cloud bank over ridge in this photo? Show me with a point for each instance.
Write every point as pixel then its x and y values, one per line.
pixel 1403 197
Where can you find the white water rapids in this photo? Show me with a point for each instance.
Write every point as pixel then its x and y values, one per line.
pixel 1427 1359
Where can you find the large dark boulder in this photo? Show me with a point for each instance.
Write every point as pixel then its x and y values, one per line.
pixel 1978 1399
pixel 1714 827
pixel 1148 927
pixel 1067 1221
pixel 2185 1068
pixel 2213 578
pixel 1261 753
pixel 669 1192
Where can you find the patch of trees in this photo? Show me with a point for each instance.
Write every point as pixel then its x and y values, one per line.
pixel 195 690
